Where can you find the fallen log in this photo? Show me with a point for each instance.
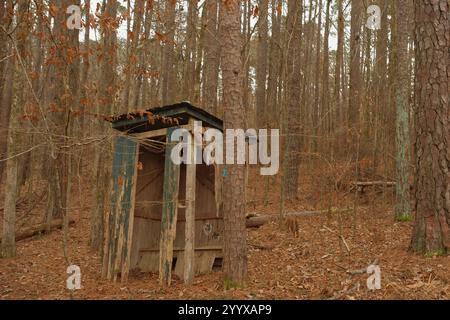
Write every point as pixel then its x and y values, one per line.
pixel 361 185
pixel 38 229
pixel 255 221
pixel 374 183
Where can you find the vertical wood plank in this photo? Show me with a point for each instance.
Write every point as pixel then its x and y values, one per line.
pixel 122 207
pixel 112 221
pixel 189 249
pixel 129 218
pixel 169 213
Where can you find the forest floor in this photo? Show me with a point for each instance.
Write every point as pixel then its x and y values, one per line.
pixel 315 265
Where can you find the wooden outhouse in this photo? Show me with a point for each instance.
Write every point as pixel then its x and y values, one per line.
pixel 164 217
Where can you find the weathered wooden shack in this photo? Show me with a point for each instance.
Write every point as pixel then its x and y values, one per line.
pixel 164 217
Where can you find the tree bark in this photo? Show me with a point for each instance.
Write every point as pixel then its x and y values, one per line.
pixel 273 85
pixel 105 104
pixel 317 108
pixel 134 66
pixel 431 234
pixel 402 207
pixel 291 161
pixel 8 245
pixel 212 57
pixel 6 79
pixel 339 65
pixel 261 67
pixel 190 52
pixel 326 118
pixel 169 85
pixel 355 64
pixel 235 247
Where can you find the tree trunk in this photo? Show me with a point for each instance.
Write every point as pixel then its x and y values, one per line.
pixel 339 64
pixel 148 78
pixel 212 57
pixel 134 67
pixel 292 116
pixel 326 118
pixel 274 84
pixel 402 207
pixel 169 88
pixel 6 80
pixel 381 83
pixel 261 67
pixel 431 234
pixel 235 246
pixel 317 108
pixel 355 64
pixel 190 53
pixel 8 244
pixel 107 90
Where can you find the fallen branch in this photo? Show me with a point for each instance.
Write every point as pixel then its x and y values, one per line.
pixel 343 293
pixel 361 271
pixel 261 247
pixel 40 228
pixel 341 237
pixel 255 221
pixel 357 271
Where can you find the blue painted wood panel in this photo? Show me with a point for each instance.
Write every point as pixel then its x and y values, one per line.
pixel 122 206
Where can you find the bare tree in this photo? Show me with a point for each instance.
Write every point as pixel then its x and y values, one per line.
pixel 105 104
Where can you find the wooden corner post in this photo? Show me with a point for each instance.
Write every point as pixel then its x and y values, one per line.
pixel 169 213
pixel 189 249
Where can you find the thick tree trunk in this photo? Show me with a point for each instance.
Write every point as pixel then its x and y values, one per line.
pixel 8 244
pixel 6 79
pixel 6 101
pixel 9 217
pixel 431 234
pixel 235 247
pixel 105 105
